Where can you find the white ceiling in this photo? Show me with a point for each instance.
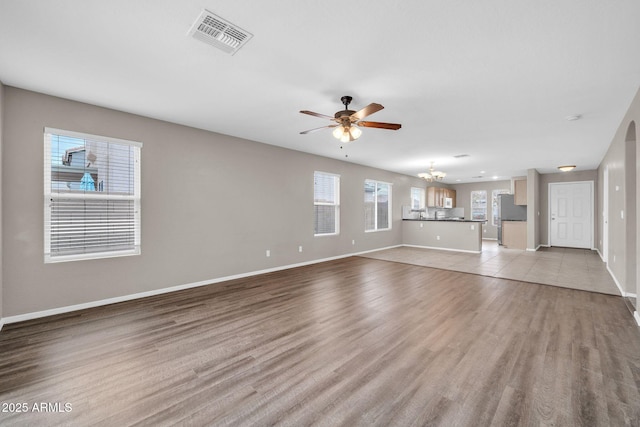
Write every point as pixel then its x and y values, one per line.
pixel 494 79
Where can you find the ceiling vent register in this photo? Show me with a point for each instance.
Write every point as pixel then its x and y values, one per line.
pixel 217 32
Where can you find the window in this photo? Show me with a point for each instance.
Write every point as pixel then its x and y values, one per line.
pixel 92 196
pixel 377 205
pixel 479 204
pixel 417 198
pixel 494 205
pixel 326 201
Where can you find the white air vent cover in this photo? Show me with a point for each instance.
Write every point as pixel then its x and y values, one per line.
pixel 217 32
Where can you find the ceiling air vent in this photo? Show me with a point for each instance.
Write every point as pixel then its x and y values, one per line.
pixel 213 30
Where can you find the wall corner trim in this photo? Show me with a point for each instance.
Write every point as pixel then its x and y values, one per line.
pixel 615 280
pixel 637 317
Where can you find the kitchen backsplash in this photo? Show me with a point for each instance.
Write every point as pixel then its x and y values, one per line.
pixel 430 213
pixel 448 213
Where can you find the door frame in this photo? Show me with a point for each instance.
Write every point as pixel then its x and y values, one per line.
pixel 591 206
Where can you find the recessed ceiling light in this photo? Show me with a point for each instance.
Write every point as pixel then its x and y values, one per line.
pixel 482 171
pixel 567 168
pixel 573 118
pixel 495 177
pixel 458 180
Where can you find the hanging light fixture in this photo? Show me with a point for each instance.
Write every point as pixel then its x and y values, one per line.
pixel 347 133
pixel 432 175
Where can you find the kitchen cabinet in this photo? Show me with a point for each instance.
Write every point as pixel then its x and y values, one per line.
pixel 520 192
pixel 436 196
pixel 514 234
pixel 451 194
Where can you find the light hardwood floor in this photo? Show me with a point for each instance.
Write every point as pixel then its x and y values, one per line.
pixel 349 342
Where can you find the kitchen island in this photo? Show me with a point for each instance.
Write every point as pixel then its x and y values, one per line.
pixel 463 235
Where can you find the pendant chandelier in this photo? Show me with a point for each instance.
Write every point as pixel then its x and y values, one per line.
pixel 432 175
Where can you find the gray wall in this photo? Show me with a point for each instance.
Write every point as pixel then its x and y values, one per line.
pixel 620 199
pixel 211 206
pixel 533 209
pixel 1 149
pixel 463 200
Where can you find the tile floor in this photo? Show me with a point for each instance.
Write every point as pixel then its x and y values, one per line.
pixel 565 267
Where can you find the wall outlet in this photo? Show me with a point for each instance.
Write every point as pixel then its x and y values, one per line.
pixel 353 242
pixel 473 227
pixel 299 248
pixel 621 214
pixel 268 253
pixel 437 237
pixel 421 225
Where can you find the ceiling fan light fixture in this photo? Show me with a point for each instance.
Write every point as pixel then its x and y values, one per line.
pixel 346 133
pixel 348 121
pixel 355 132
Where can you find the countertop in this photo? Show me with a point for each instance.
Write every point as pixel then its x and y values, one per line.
pixel 447 220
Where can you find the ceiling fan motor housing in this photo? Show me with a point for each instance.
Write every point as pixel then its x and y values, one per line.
pixel 344 114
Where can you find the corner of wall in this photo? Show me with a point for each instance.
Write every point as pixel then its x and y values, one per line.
pixel 1 240
pixel 533 208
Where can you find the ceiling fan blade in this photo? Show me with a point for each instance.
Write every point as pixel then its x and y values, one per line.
pixel 317 129
pixel 391 126
pixel 311 113
pixel 366 111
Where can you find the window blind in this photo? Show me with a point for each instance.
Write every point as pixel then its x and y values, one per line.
pixel 92 196
pixel 479 204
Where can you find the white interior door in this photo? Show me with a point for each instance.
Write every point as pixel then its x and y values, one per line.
pixel 571 214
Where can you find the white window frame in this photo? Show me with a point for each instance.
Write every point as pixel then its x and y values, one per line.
pixel 336 204
pixel 473 216
pixel 375 207
pixel 494 203
pixel 417 194
pixel 50 195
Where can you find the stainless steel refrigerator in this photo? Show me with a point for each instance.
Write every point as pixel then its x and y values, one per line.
pixel 509 211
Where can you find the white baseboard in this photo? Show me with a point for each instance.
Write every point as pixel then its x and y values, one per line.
pixel 615 280
pixel 98 303
pixel 637 317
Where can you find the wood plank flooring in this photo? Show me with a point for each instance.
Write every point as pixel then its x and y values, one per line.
pixel 349 342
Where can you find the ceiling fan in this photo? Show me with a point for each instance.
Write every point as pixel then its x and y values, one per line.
pixel 348 121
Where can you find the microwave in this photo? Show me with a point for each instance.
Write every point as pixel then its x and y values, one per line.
pixel 448 202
